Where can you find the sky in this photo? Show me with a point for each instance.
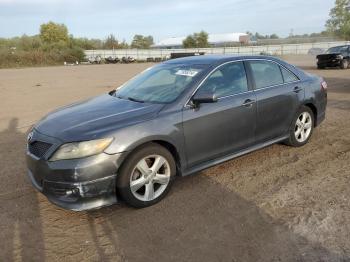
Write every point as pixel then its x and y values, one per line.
pixel 164 18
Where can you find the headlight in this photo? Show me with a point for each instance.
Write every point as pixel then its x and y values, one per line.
pixel 81 149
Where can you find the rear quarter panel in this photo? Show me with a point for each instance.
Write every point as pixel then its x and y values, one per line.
pixel 314 94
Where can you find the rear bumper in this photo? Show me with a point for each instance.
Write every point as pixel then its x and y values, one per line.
pixel 77 184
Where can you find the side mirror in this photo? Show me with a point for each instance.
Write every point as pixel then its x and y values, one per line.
pixel 204 97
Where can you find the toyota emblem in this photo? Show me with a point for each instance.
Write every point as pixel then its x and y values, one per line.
pixel 30 137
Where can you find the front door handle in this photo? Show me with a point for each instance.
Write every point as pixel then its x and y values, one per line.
pixel 297 89
pixel 248 103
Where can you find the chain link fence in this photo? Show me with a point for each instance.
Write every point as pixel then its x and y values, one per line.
pixel 163 54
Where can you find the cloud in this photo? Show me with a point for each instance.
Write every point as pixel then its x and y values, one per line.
pixel 29 2
pixel 96 18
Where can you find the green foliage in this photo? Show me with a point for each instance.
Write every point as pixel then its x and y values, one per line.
pixel 189 42
pixel 73 54
pixel 142 42
pixel 53 46
pixel 123 45
pixel 53 33
pixel 201 39
pixel 274 36
pixel 111 42
pixel 20 58
pixel 339 23
pixel 257 36
pixel 85 43
pixel 197 40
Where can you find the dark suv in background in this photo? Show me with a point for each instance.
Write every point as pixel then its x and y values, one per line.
pixel 338 56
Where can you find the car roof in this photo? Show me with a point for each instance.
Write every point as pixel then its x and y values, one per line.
pixel 215 59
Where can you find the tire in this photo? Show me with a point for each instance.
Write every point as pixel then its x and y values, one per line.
pixel 139 176
pixel 320 67
pixel 344 64
pixel 301 128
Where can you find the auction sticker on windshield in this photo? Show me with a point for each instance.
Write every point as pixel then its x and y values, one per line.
pixel 190 73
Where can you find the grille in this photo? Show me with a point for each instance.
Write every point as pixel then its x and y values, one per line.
pixel 58 191
pixel 39 148
pixel 328 57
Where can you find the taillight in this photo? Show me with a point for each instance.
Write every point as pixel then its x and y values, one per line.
pixel 324 85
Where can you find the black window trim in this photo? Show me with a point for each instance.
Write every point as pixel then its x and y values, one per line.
pixel 271 86
pixel 249 74
pixel 250 88
pixel 284 80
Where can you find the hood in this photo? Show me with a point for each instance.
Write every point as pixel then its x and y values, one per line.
pixel 94 118
pixel 328 55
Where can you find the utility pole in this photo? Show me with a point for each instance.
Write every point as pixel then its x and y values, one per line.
pixel 291 34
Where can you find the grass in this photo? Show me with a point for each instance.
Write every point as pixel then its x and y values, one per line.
pixel 21 58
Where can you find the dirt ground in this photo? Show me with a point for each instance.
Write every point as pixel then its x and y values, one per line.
pixel 276 204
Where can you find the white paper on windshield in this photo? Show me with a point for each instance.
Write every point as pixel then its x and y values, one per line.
pixel 190 73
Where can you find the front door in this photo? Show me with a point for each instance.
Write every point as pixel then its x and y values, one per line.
pixel 215 129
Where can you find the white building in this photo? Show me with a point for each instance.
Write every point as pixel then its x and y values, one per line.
pixel 213 39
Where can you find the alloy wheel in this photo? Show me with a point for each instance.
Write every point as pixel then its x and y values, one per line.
pixel 303 127
pixel 150 177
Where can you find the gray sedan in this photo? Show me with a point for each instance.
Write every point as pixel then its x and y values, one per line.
pixel 174 119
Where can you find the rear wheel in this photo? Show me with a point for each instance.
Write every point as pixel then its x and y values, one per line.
pixel 301 128
pixel 344 64
pixel 146 176
pixel 320 67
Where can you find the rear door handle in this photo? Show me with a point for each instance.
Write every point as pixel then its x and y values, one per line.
pixel 248 102
pixel 297 89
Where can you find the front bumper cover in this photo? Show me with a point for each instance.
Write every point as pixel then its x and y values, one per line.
pixel 78 196
pixel 75 184
pixel 329 63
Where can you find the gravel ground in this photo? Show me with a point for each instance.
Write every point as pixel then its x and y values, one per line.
pixel 276 204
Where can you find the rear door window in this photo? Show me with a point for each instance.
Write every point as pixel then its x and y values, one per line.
pixel 288 76
pixel 266 74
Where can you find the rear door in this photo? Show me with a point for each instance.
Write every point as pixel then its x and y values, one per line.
pixel 215 129
pixel 279 95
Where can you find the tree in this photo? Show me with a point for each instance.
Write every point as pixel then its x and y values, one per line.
pixel 196 40
pixel 339 23
pixel 123 45
pixel 53 33
pixel 111 42
pixel 274 36
pixel 85 43
pixel 189 42
pixel 142 42
pixel 201 39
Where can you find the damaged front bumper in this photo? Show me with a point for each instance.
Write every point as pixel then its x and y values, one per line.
pixel 77 184
pixel 78 196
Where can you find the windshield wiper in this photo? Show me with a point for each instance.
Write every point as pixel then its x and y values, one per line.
pixel 135 100
pixel 130 98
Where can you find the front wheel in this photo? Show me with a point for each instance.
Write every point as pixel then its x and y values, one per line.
pixel 301 128
pixel 344 64
pixel 146 176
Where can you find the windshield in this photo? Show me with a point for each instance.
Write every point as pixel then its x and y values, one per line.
pixel 159 84
pixel 337 49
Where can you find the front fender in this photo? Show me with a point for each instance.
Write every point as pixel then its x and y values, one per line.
pixel 167 128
